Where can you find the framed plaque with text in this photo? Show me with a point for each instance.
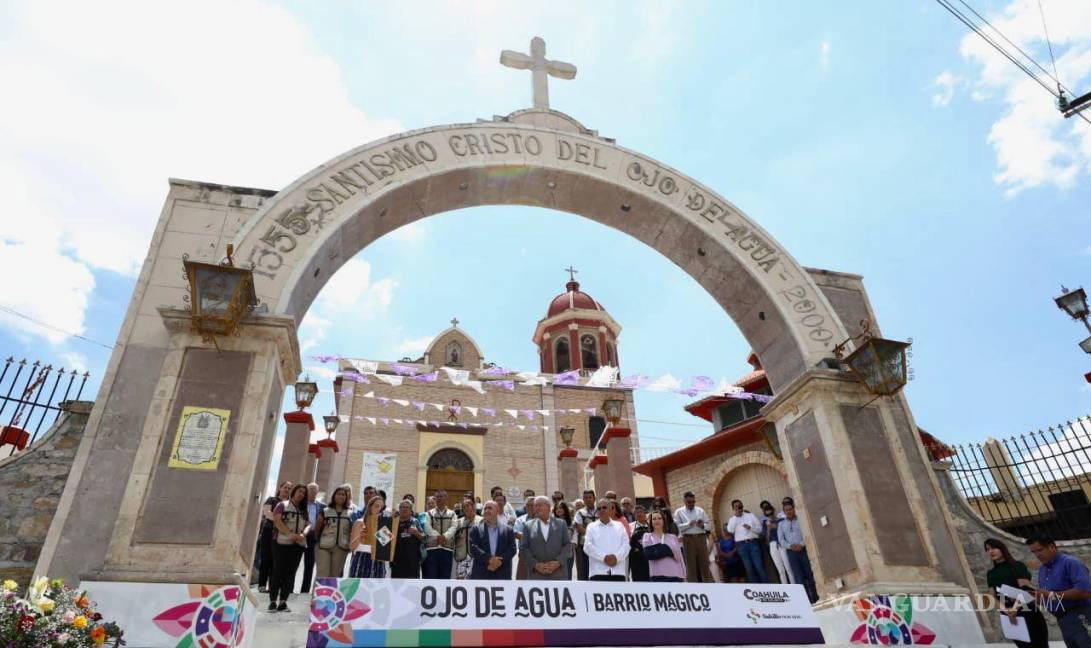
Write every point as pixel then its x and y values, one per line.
pixel 199 440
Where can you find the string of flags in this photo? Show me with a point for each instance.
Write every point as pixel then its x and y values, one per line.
pixel 499 378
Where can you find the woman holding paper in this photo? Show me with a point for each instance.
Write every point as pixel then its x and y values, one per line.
pixel 362 542
pixel 1007 572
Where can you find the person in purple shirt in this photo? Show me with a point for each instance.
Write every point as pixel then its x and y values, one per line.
pixel 1064 589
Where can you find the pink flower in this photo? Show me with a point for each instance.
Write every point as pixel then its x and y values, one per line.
pixel 69 616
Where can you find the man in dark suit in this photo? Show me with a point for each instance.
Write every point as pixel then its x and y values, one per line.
pixel 492 546
pixel 546 545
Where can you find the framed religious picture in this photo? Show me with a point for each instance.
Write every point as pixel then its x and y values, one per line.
pixel 199 440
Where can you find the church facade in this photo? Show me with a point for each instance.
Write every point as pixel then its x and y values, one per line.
pixel 446 432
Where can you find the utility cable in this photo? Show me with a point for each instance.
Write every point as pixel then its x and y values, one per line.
pixel 1003 52
pixel 54 328
pixel 1049 44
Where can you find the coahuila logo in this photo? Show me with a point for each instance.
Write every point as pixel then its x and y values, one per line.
pixel 765 596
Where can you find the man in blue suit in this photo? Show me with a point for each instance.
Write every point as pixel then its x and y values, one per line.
pixel 492 546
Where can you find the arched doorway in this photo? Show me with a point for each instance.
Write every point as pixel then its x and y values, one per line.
pixel 451 470
pixel 751 483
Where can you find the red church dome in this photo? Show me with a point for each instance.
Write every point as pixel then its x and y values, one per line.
pixel 573 297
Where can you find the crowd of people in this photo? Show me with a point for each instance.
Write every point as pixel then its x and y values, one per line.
pixel 599 539
pixel 591 538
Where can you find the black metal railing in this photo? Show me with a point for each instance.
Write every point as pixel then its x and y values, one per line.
pixel 1034 483
pixel 30 398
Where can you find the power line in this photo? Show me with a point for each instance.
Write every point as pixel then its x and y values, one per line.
pixel 964 19
pixel 28 318
pixel 1049 44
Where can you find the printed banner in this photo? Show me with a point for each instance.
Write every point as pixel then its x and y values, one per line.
pixel 199 439
pixel 378 471
pixel 164 615
pixel 409 612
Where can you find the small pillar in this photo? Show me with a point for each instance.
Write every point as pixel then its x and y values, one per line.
pixel 329 450
pixel 603 482
pixel 311 463
pixel 294 457
pixel 570 473
pixel 621 460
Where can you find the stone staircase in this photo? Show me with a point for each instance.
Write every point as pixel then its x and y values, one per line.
pixel 282 629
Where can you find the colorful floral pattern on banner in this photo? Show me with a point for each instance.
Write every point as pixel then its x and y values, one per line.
pixel 332 607
pixel 888 621
pixel 213 619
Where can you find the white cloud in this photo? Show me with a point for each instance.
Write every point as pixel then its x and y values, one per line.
pixel 74 361
pixel 314 371
pixel 824 54
pixel 104 109
pixel 1035 146
pixel 945 84
pixel 414 232
pixel 349 298
pixel 414 347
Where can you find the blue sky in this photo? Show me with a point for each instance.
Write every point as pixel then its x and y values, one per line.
pixel 874 138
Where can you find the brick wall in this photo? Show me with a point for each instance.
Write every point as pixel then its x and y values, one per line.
pixel 32 482
pixel 506 447
pixel 705 477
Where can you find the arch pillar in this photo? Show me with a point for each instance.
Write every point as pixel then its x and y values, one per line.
pixel 870 528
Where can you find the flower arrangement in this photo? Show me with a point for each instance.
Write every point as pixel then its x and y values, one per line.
pixel 52 615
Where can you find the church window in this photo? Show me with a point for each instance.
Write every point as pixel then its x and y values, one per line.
pixel 564 361
pixel 589 352
pixel 450 459
pixel 454 355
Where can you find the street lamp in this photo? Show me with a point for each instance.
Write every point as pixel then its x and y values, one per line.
pixel 567 435
pixel 331 422
pixel 305 391
pixel 1075 304
pixel 611 407
pixel 878 363
pixel 218 294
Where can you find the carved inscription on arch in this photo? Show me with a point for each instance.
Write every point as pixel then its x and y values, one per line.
pixel 284 234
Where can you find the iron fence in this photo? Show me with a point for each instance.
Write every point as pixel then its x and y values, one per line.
pixel 1039 482
pixel 30 398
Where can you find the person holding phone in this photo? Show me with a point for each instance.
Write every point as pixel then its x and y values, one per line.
pixel 747 529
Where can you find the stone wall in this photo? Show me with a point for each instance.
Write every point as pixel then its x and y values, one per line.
pixel 32 482
pixel 973 530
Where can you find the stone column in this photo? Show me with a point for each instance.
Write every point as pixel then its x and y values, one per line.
pixel 210 533
pixel 325 466
pixel 621 460
pixel 570 473
pixel 297 438
pixel 310 465
pixel 871 511
pixel 601 471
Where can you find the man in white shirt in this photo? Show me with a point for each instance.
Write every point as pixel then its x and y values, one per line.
pixel 606 545
pixel 746 528
pixel 694 526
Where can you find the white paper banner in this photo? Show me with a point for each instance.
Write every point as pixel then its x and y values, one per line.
pixel 378 471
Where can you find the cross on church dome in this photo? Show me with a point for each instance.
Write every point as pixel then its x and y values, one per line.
pixel 454 322
pixel 541 69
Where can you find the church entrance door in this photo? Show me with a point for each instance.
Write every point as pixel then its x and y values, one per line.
pixel 450 470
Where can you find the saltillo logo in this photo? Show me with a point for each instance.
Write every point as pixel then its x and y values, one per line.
pixel 765 596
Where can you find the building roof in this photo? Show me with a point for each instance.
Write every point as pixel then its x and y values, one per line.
pixel 719 443
pixel 572 298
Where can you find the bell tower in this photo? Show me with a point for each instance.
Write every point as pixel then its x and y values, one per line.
pixel 576 333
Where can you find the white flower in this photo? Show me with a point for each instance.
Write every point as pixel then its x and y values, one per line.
pixel 63 638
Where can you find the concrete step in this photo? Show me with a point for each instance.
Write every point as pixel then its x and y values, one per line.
pixel 282 629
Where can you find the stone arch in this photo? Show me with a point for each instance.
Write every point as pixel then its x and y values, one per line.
pixel 303 234
pixel 730 468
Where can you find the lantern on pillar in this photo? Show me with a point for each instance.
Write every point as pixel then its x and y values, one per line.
pixel 611 408
pixel 305 391
pixel 219 295
pixel 331 422
pixel 878 363
pixel 567 435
